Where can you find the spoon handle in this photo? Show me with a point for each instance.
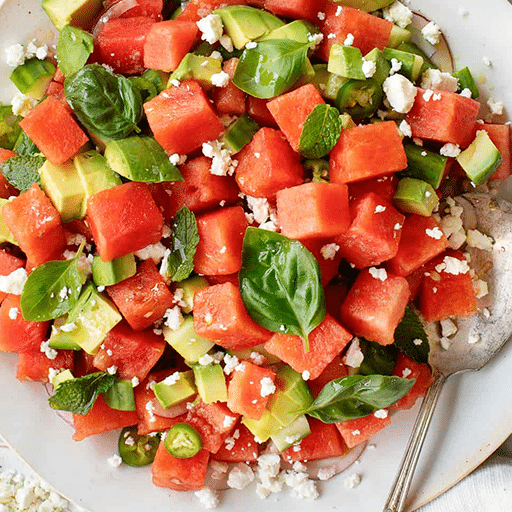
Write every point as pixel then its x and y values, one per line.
pixel 396 498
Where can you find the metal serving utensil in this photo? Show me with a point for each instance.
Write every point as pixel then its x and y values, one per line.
pixel 479 337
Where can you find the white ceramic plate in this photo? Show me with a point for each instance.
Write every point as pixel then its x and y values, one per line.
pixel 474 415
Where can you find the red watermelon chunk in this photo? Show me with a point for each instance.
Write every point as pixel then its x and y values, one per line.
pixel 356 431
pixel 383 186
pixel 296 9
pixel 241 446
pixel 258 110
pixel 326 253
pixel 148 8
pixel 448 119
pixel 229 99
pixel 197 9
pixel 334 370
pixel 35 365
pixel 374 233
pixel 375 305
pixel 8 264
pixel 408 368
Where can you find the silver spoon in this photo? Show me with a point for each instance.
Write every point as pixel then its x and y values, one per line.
pixel 487 331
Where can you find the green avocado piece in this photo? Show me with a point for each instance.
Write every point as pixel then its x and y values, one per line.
pixel 107 273
pixel 73 49
pixel 33 76
pixel 415 196
pixel 346 61
pixel 293 433
pixel 298 30
pixel 120 396
pixel 244 24
pixel 79 13
pixel 63 338
pixel 366 5
pixel 263 428
pixel 211 383
pixel 62 377
pixel 188 288
pixel 169 394
pixel 196 67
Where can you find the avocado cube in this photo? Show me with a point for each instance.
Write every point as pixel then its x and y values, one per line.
pixel 33 76
pixel 107 273
pixel 291 383
pixel 211 383
pixel 79 13
pixel 188 288
pixel 346 61
pixel 415 196
pixel 197 67
pixel 297 30
pixel 263 428
pixel 63 338
pixel 62 377
pixel 175 389
pixel 291 434
pixel 120 396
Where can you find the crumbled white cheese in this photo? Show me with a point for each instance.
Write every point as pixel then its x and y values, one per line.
pixel 406 372
pixel 205 360
pixel 473 338
pixel 354 356
pixel 369 68
pixel 446 343
pixel 220 79
pixel 172 379
pixel 15 55
pixel 378 273
pixel 454 266
pixel 480 287
pixel 495 106
pixel 230 363
pixel 315 38
pixel 398 13
pixel 466 93
pixel 451 150
pixel 13 313
pixel 207 497
pixel 321 16
pixel 115 461
pixel 329 251
pixel 487 61
pixel 381 414
pixel 353 480
pixel 434 233
pixel 400 93
pixel 222 164
pixel 379 209
pixel 435 79
pixel 135 382
pixel 176 159
pixel 396 66
pixel 226 43
pixel 211 28
pixel 478 240
pixel 173 318
pixel 431 33
pixel 156 252
pixel 251 45
pixel 448 327
pixel 267 387
pixel 306 375
pixel 405 128
pixel 112 370
pixel 300 484
pixel 50 353
pixel 349 40
pixel 240 476
pixel 326 473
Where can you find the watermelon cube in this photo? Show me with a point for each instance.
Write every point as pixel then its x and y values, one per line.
pixel 356 431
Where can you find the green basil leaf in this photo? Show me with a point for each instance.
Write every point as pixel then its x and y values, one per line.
pixel 280 283
pixel 357 396
pixel 108 105
pixel 411 338
pixel 180 262
pixel 22 171
pixel 51 290
pixel 73 49
pixel 378 359
pixel 78 395
pixel 271 68
pixel 320 132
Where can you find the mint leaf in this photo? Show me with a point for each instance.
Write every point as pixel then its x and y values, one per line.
pixel 22 171
pixel 180 262
pixel 357 396
pixel 407 335
pixel 51 290
pixel 78 395
pixel 321 130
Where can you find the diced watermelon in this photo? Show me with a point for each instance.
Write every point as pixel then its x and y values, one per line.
pixel 134 8
pixel 422 239
pixel 369 31
pixel 119 224
pixel 197 9
pixel 356 431
pixel 120 44
pixel 143 298
pixel 449 119
pixel 367 151
pixel 500 136
pixel 408 368
pixel 182 118
pixel 296 9
pixel 383 186
pixel 258 110
pixel 36 225
pixel 84 363
pixel 374 307
pixel 239 447
pixel 313 210
pixel 167 42
pixel 179 474
pixel 334 370
pixel 374 233
pixel 447 288
pixel 53 129
pixel 327 255
pixel 247 390
pixel 325 342
pixel 323 442
pixel 8 263
pixel 229 99
pixel 221 234
pixel 290 110
pixel 101 418
pixel 133 353
pixel 220 315
pixel 35 365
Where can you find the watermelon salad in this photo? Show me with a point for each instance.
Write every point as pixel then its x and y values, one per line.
pixel 226 224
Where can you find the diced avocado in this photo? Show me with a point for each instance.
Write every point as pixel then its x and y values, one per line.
pixel 283 408
pixel 346 61
pixel 412 64
pixel 114 271
pixel 382 66
pixel 177 391
pixel 120 396
pixel 407 46
pixel 244 24
pixel 466 81
pixel 62 377
pixel 5 232
pixel 94 316
pixel 332 86
pixel 64 187
pixel 79 13
pixel 63 338
pixel 240 133
pixel 263 428
pixel 73 49
pixel 95 173
pixel 197 67
pixel 33 76
pixel 9 128
pixel 398 36
pixel 297 430
pixel 480 159
pixel 298 30
pixel 186 342
pixel 211 383
pixel 366 5
pixel 189 288
pixel 415 196
pixel 425 165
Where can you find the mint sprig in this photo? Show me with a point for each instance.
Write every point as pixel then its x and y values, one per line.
pixel 22 171
pixel 320 132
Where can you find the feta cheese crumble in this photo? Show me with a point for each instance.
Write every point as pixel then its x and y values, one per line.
pixel 400 93
pixel 115 461
pixel 378 273
pixel 454 266
pixel 495 106
pixel 220 79
pixel 369 68
pixel 349 40
pixel 329 251
pixel 451 150
pixel 431 33
pixel 222 164
pixel 398 13
pixel 208 498
pixel 435 79
pixel 405 128
pixel 353 480
pixel 211 28
pixel 354 356
pixel 267 387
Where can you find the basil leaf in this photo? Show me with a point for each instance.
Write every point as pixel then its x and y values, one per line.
pixel 320 132
pixel 180 262
pixel 73 49
pixel 78 395
pixel 357 396
pixel 280 284
pixel 378 359
pixel 271 68
pixel 22 171
pixel 51 290
pixel 108 105
pixel 408 334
